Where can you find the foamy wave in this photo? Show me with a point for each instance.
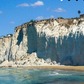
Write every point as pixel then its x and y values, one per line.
pixel 56 73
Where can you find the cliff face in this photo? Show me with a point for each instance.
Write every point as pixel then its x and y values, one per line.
pixel 61 40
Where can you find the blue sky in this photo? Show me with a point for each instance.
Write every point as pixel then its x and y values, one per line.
pixel 17 12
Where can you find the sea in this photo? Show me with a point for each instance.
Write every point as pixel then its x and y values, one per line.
pixel 40 76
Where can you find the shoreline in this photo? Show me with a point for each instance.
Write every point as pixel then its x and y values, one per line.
pixel 57 67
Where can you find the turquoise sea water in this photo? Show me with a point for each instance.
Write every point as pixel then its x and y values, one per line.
pixel 38 76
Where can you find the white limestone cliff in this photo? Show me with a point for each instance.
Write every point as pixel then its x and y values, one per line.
pixel 61 40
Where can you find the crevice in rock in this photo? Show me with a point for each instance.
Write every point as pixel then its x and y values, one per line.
pixel 20 37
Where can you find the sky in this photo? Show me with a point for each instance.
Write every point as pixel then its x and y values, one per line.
pixel 16 12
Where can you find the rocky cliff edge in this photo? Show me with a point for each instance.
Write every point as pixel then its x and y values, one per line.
pixel 59 40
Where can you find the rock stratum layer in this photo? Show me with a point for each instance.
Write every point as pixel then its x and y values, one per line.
pixel 61 40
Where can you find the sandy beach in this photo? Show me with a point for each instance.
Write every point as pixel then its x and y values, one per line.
pixel 59 67
pixel 7 64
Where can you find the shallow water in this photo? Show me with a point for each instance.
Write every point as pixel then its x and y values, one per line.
pixel 29 76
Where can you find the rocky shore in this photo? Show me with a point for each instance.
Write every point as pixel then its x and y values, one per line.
pixel 30 60
pixel 46 66
pixel 33 62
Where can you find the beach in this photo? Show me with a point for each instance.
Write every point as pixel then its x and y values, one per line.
pixel 58 67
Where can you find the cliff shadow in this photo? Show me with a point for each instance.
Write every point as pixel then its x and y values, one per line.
pixel 71 50
pixel 20 37
pixel 41 44
pixel 67 50
pixel 46 47
pixel 32 38
pixel 51 49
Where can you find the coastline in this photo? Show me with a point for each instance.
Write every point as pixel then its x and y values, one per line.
pixel 58 67
pixel 40 64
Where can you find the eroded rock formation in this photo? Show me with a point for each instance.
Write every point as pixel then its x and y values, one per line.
pixel 61 40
